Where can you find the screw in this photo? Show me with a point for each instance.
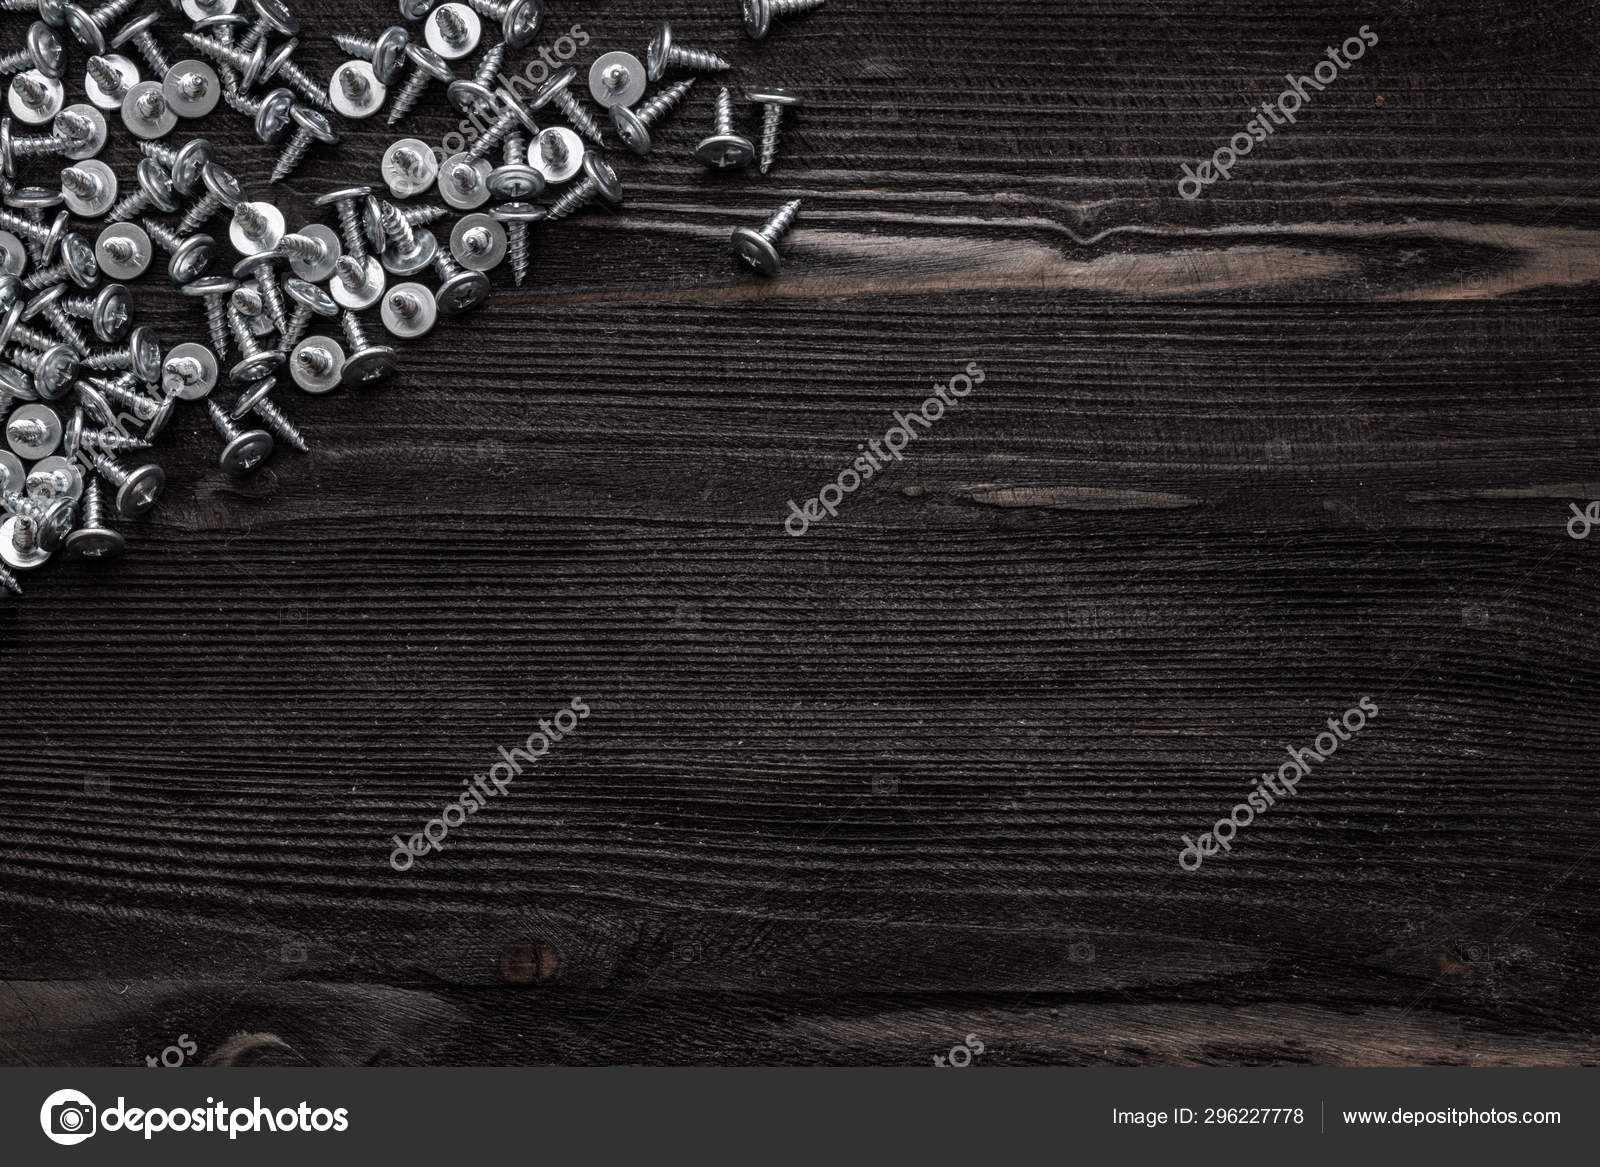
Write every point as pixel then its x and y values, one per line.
pixel 35 97
pixel 599 181
pixel 251 66
pixel 13 148
pixel 312 251
pixel 317 364
pixel 111 442
pixel 42 51
pixel 256 361
pixel 759 248
pixel 19 543
pixel 256 400
pixel 49 303
pixel 426 65
pixel 514 112
pixel 256 227
pixel 141 356
pixel 260 268
pixel 466 95
pixel 724 148
pixel 123 250
pixel 271 112
pixel 310 126
pixel 184 164
pixel 519 19
pixel 309 300
pixel 356 91
pixel 214 291
pixel 112 81
pixel 459 290
pixel 409 167
pixel 516 217
pixel 189 372
pixel 386 52
pixel 108 312
pixel 409 310
pixel 478 242
pixel 77 264
pixel 664 55
pixel 90 27
pixel 89 187
pixel 155 190
pixel 451 34
pixel 406 252
pixel 124 394
pixel 271 16
pixel 557 90
pixel 366 362
pixel 36 232
pixel 93 539
pixel 245 449
pixel 773 102
pixel 355 285
pixel 137 489
pixel 9 582
pixel 355 232
pixel 138 31
pixel 192 88
pixel 281 64
pixel 191 254
pixel 759 14
pixel 464 181
pixel 146 112
pixel 633 126
pixel 515 179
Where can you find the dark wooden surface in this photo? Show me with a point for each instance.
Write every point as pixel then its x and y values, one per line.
pixel 848 798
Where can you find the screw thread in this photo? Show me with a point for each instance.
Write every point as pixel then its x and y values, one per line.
pixel 219 52
pixel 269 412
pixel 207 205
pixel 423 214
pixel 396 228
pixel 191 84
pixel 273 295
pixel 7 580
pixel 150 104
pixel 141 406
pixel 217 325
pixel 83 183
pixel 409 94
pixel 250 220
pixel 516 149
pixel 166 238
pixel 580 195
pixel 355 239
pixel 356 46
pixel 223 423
pixel 66 329
pixel 292 155
pixel 46 277
pixel 517 251
pixel 31 93
pixel 489 8
pixel 40 146
pixel 493 136
pixel 151 52
pixel 581 119
pixel 242 336
pixel 724 111
pixel 452 29
pixel 25 535
pixel 123 251
pixel 781 8
pixel 107 360
pixel 111 470
pixel 771 119
pixel 16 62
pixel 318 360
pixel 316 94
pixel 113 442
pixel 406 305
pixel 299 321
pixel 488 70
pixel 354 332
pixel 775 228
pixel 306 247
pixel 24 227
pixel 94 504
pixel 355 85
pixel 106 76
pixel 131 205
pixel 241 103
pixel 106 13
pixel 32 337
pixel 664 102
pixel 698 60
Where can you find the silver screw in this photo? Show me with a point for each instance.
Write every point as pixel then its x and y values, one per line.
pixel 138 31
pixel 467 95
pixel 365 362
pixel 93 539
pixel 311 126
pixel 90 27
pixel 245 450
pixel 633 125
pixel 255 361
pixel 191 254
pixel 516 217
pixel 665 54
pixel 759 14
pixel 43 52
pixel 724 148
pixel 214 291
pixel 222 192
pixel 107 76
pixel 772 102
pixel 599 181
pixel 257 400
pixel 519 19
pixel 426 66
pixel 137 489
pixel 386 52
pixel 759 248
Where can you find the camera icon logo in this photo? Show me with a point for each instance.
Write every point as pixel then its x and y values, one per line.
pixel 68 1117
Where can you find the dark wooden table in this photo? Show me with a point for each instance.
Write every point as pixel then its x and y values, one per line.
pixel 925 772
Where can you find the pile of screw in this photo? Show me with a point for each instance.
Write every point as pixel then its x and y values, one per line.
pixel 79 419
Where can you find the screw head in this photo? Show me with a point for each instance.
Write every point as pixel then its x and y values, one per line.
pixel 12 474
pixel 317 270
pixel 757 18
pixel 143 124
pixel 84 28
pixel 725 150
pixel 45 49
pixel 174 87
pixel 92 141
pixel 126 69
pixel 93 208
pixel 277 17
pixel 430 63
pixel 111 313
pixel 313 297
pixel 478 242
pixel 191 259
pixel 515 182
pixel 634 133
pixel 272 117
pixel 554 87
pixel 315 123
pixel 748 245
pixel 402 180
pixel 345 194
pixel 60 477
pixel 252 396
pixel 520 24
pixel 660 49
pixel 33 432
pixel 180 377
pixel 55 524
pixel 783 97
pixel 462 292
pixel 189 163
pixel 617 79
pixel 368 365
pixel 139 493
pixel 415 9
pixel 20 560
pixel 209 286
pixel 372 92
pixel 463 181
pixel 157 184
pixel 418 324
pixel 366 295
pixel 246 453
pixel 558 153
pixel 114 267
pixel 610 186
pixel 36 115
pixel 307 376
pixel 254 245
pixel 58 365
pixel 520 213
pixel 409 263
pixel 434 33
pixel 42 300
pixel 95 543
pixel 13 255
pixel 201 11
pixel 139 24
pixel 389 53
pixel 256 367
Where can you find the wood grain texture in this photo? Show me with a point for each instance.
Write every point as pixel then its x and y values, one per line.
pixel 924 772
